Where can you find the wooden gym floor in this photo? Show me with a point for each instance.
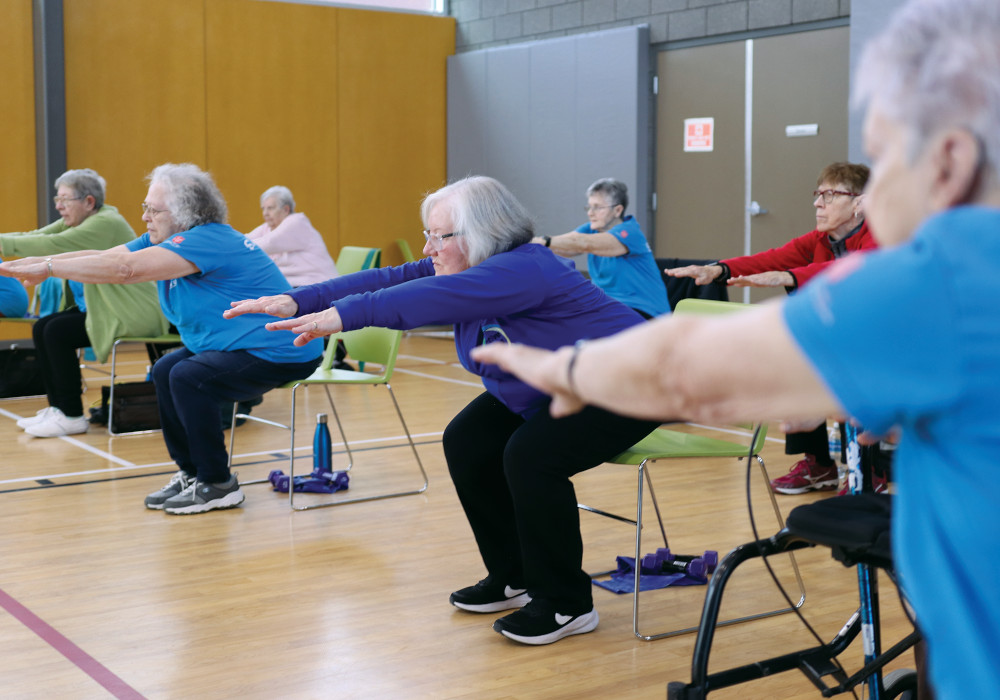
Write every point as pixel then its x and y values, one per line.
pixel 101 598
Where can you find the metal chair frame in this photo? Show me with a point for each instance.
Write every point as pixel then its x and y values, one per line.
pixel 370 345
pixel 165 339
pixel 664 443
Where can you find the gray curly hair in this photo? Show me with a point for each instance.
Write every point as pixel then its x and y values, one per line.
pixel 192 196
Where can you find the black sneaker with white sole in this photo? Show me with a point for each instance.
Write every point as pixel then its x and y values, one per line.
pixel 539 623
pixel 201 497
pixel 487 596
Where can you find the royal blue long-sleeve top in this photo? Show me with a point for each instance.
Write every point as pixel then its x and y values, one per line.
pixel 526 295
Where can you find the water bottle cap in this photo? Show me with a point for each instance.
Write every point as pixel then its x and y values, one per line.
pixel 321 418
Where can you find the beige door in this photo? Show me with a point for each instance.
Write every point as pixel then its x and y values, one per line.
pixel 753 190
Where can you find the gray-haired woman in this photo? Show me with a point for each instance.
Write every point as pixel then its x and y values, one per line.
pixel 199 264
pixel 92 315
pixel 511 462
pixel 289 238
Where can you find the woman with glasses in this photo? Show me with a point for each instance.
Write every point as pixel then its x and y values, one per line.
pixel 511 462
pixel 840 229
pixel 198 263
pixel 93 315
pixel 619 259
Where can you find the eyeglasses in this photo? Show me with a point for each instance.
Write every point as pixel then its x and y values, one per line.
pixel 828 195
pixel 437 242
pixel 597 207
pixel 62 200
pixel 146 209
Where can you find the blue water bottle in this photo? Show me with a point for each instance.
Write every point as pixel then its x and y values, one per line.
pixel 322 448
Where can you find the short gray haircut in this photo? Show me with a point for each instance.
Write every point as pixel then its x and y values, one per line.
pixel 86 183
pixel 192 197
pixel 488 216
pixel 280 193
pixel 937 65
pixel 616 191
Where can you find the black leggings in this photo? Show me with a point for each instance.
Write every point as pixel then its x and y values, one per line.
pixel 57 338
pixel 513 479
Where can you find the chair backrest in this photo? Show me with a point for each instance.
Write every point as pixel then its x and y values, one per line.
pixel 368 345
pixel 404 248
pixel 714 307
pixel 355 258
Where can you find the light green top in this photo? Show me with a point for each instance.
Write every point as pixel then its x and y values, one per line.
pixel 113 310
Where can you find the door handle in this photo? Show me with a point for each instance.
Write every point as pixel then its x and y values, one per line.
pixel 755 209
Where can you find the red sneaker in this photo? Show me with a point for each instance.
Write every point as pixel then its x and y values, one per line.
pixel 806 475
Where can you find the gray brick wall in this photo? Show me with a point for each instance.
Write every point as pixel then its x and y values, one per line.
pixel 486 23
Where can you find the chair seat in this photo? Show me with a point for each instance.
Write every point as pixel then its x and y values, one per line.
pixel 664 443
pixel 340 376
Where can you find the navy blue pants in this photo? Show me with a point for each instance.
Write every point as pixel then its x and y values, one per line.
pixel 513 479
pixel 189 388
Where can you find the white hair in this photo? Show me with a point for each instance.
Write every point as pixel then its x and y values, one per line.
pixel 280 193
pixel 937 65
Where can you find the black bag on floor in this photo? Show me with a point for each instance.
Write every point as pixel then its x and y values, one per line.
pixel 20 374
pixel 134 409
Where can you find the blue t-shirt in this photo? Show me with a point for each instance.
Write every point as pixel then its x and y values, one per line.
pixel 13 298
pixel 231 267
pixel 633 278
pixel 923 319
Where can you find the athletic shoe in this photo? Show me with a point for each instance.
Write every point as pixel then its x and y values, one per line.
pixel 487 596
pixel 881 486
pixel 39 415
pixel 200 497
pixel 538 623
pixel 806 475
pixel 55 423
pixel 178 482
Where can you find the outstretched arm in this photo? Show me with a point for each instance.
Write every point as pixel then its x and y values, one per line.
pixel 574 243
pixel 744 366
pixel 701 274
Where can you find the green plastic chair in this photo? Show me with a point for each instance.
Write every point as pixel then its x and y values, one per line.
pixel 372 345
pixel 404 248
pixel 355 258
pixel 665 443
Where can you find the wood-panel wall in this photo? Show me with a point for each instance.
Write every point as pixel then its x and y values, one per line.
pixel 345 107
pixel 17 112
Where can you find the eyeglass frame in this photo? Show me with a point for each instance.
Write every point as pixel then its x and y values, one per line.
pixel 146 209
pixel 828 195
pixel 439 240
pixel 57 200
pixel 587 208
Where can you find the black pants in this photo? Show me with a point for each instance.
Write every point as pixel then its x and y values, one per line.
pixel 811 442
pixel 513 479
pixel 57 338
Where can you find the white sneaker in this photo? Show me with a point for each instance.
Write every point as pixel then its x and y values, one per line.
pixel 39 415
pixel 57 424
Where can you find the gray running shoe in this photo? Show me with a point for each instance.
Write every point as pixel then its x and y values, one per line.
pixel 200 497
pixel 178 482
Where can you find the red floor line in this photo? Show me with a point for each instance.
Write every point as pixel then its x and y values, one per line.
pixel 81 659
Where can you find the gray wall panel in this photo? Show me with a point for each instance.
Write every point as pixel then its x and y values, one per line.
pixel 553 117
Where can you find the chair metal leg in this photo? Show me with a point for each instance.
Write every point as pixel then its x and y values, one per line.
pixel 643 476
pixel 413 448
pixel 111 398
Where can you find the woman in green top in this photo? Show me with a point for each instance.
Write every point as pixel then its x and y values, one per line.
pixel 94 314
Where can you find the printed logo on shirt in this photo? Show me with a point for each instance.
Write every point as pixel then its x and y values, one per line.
pixel 176 240
pixel 249 244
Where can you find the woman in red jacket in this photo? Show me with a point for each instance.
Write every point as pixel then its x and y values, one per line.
pixel 840 229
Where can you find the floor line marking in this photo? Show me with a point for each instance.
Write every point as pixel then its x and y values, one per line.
pixel 77 656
